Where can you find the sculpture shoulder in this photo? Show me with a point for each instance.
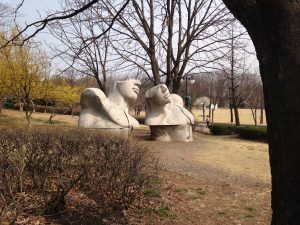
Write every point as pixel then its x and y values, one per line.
pixel 173 115
pixel 104 112
pixel 184 112
pixel 92 98
pixel 133 121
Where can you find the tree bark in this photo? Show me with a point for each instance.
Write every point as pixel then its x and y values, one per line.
pixel 231 113
pixel 236 115
pixel 274 27
pixel 176 82
pixel 261 120
pixel 254 115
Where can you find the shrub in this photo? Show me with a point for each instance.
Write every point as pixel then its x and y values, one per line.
pixel 222 129
pixel 39 168
pixel 8 105
pixel 252 132
pixel 246 132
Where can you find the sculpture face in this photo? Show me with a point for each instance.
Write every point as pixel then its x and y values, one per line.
pixel 129 89
pixel 162 95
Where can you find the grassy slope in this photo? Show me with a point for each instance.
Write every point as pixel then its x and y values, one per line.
pixel 15 118
pixel 222 115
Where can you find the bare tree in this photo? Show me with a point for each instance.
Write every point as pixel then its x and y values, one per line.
pixel 32 29
pixel 192 41
pixel 233 68
pixel 216 93
pixel 171 49
pixel 209 86
pixel 255 100
pixel 182 40
pixel 6 15
pixel 73 33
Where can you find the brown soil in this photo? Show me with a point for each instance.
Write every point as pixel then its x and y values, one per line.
pixel 213 180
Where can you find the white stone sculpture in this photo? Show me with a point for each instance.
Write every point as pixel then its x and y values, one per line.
pixel 111 112
pixel 166 116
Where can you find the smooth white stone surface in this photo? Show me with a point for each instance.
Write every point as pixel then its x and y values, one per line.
pixel 166 116
pixel 99 111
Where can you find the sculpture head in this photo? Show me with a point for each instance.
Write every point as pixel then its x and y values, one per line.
pixel 128 89
pixel 158 95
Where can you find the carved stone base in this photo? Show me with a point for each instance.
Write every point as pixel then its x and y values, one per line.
pixel 171 133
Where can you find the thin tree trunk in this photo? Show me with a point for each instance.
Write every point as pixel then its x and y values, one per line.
pixel 261 121
pixel 176 82
pixel 231 113
pixel 27 114
pixel 21 106
pixel 209 112
pixel 254 115
pixel 100 84
pixel 213 109
pixel 170 13
pixel 33 106
pixel 236 116
pixel 203 112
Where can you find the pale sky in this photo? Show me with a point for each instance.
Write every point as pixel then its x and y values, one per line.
pixel 29 12
pixel 30 8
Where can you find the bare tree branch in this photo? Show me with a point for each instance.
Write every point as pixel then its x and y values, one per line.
pixel 41 24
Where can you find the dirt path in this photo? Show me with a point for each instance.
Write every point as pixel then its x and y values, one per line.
pixel 233 174
pixel 218 158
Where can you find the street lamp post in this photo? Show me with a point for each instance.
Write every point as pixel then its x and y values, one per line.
pixel 190 78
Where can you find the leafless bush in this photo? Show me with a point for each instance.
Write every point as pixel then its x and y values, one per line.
pixel 39 167
pixel 116 171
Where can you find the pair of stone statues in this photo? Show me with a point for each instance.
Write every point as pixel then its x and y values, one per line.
pixel 165 114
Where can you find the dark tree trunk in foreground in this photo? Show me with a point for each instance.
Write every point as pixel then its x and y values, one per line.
pixel 274 27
